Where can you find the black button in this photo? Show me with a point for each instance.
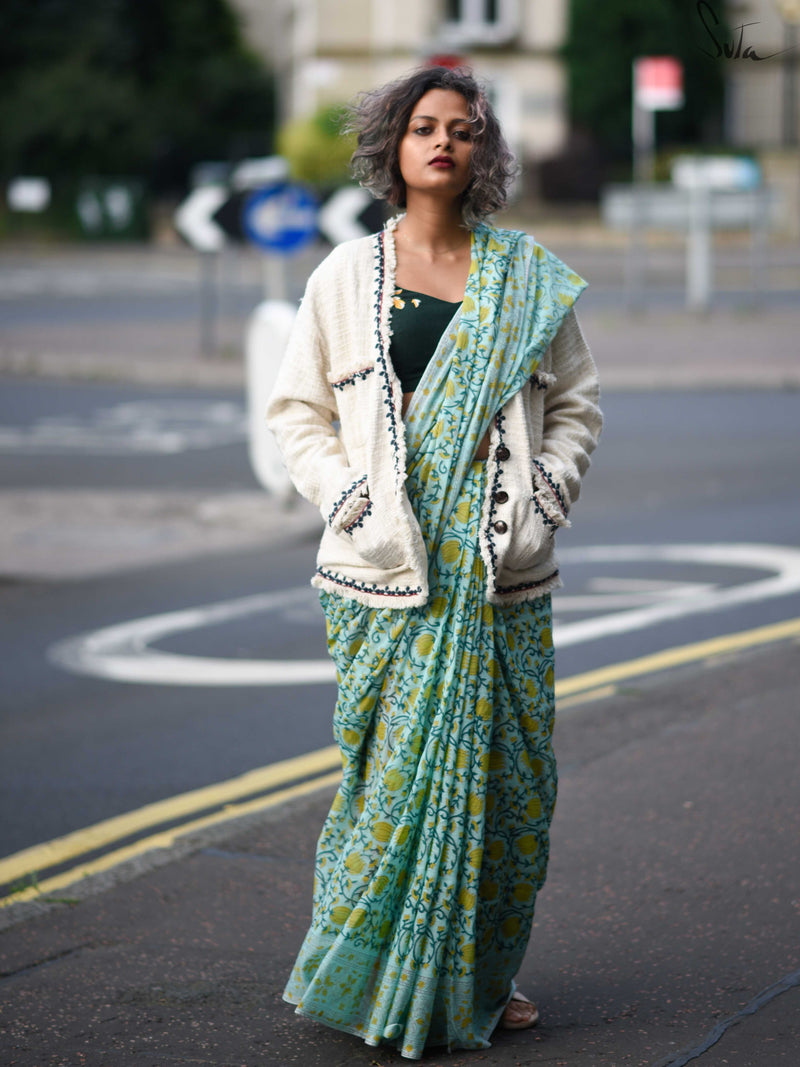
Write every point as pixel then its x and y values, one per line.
pixel 502 453
pixel 501 527
pixel 501 497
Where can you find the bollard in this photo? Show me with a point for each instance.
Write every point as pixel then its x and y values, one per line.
pixel 267 336
pixel 698 249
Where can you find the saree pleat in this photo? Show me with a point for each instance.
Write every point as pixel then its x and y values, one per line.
pixel 430 859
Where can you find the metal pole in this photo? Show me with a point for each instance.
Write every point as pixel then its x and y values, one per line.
pixel 208 303
pixel 789 85
pixel 758 245
pixel 275 287
pixel 644 136
pixel 635 261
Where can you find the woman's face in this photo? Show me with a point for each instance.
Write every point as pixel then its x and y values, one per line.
pixel 434 153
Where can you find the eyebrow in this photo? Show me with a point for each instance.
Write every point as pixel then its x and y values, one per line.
pixel 432 118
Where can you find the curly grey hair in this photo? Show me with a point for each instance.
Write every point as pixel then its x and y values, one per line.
pixel 380 119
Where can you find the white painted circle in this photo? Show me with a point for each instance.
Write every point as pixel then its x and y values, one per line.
pixel 123 653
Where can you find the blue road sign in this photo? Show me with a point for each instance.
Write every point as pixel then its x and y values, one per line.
pixel 281 218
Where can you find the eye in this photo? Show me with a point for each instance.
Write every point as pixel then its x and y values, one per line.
pixel 422 129
pixel 462 135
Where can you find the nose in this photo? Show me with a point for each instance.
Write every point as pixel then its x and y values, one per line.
pixel 443 139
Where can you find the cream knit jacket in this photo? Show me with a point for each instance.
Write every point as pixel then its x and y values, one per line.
pixel 336 413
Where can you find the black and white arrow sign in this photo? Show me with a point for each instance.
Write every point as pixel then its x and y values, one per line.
pixel 349 213
pixel 212 214
pixel 228 215
pixel 346 213
pixel 194 219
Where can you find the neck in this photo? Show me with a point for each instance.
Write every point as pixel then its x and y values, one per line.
pixel 431 231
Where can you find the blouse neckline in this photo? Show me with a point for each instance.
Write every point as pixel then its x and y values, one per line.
pixel 428 296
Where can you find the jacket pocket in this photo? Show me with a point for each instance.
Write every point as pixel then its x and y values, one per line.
pixel 549 496
pixel 528 541
pixel 366 550
pixel 349 505
pixel 374 543
pixel 525 541
pixel 360 531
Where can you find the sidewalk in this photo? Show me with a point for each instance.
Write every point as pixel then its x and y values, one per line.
pixel 738 343
pixel 670 917
pixel 657 348
pixel 70 534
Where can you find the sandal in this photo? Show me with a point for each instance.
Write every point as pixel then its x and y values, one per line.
pixel 521 1018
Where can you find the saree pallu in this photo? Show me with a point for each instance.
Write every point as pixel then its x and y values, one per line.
pixel 437 841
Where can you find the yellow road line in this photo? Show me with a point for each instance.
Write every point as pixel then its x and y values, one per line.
pixel 167 838
pixel 61 849
pixel 588 686
pixel 676 657
pixel 587 696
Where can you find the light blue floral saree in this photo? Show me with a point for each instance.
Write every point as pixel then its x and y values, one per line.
pixel 430 860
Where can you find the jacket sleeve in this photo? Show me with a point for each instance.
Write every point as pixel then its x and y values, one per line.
pixel 302 413
pixel 572 422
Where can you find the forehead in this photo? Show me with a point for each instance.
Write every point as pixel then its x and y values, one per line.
pixel 444 104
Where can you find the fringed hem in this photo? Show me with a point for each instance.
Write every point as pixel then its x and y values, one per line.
pixel 386 597
pixel 518 594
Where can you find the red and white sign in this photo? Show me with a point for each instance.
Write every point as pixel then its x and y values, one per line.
pixel 658 83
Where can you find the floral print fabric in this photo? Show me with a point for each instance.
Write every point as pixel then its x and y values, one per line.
pixel 436 844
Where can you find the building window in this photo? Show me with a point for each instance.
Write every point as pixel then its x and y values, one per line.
pixel 481 21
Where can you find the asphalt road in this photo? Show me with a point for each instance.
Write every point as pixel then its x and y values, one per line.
pixel 687 477
pixel 57 434
pixel 666 933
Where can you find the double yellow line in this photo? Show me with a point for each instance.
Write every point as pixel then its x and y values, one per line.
pixel 271 786
pixel 226 797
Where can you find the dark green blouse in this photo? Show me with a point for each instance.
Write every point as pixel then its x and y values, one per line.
pixel 418 322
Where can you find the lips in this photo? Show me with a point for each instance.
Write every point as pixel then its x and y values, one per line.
pixel 441 161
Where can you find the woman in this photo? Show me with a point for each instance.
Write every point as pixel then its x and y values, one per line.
pixel 438 403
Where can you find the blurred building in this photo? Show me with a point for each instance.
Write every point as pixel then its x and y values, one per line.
pixel 762 94
pixel 326 51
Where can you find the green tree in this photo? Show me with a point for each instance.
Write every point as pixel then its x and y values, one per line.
pixel 316 149
pixel 605 38
pixel 137 87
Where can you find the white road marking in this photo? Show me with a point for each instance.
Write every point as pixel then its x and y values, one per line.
pixel 123 653
pixel 782 561
pixel 141 427
pixel 614 593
